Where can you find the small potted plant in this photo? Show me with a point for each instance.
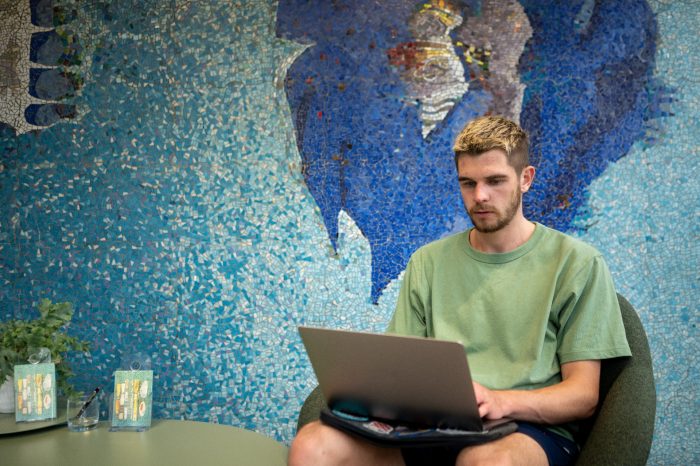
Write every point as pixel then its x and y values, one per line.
pixel 20 338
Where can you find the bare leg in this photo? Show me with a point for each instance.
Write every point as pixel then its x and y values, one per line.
pixel 320 445
pixel 513 450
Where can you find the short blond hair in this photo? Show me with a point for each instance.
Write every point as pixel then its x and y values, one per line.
pixel 494 132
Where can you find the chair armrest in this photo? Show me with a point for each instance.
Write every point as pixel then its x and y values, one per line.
pixel 311 409
pixel 622 429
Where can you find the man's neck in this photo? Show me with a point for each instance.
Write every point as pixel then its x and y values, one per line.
pixel 514 235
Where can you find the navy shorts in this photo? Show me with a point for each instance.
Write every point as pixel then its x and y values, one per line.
pixel 560 450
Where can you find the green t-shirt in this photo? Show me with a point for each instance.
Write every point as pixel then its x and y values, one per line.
pixel 520 314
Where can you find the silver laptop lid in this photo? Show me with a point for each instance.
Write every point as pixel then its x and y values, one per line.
pixel 396 378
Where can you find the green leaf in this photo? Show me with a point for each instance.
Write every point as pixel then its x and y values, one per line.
pixel 18 338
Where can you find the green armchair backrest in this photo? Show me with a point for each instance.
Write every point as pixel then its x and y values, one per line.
pixel 621 430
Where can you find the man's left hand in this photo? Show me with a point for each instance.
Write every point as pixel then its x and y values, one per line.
pixel 489 402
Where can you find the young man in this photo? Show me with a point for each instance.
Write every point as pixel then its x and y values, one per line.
pixel 535 309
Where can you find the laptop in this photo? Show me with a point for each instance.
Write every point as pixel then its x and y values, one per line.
pixel 396 379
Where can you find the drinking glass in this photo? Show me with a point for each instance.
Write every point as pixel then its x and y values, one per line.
pixel 83 413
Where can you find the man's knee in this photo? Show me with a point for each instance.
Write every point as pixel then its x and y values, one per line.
pixel 471 457
pixel 515 449
pixel 316 443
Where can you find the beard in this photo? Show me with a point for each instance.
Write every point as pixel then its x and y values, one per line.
pixel 502 218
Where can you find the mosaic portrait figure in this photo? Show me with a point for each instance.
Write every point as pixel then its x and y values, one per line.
pixel 378 94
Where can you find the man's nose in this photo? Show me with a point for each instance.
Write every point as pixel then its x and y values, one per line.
pixel 481 193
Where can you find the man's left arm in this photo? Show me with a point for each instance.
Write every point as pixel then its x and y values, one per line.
pixel 575 397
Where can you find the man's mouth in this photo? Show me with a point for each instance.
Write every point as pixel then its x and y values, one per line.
pixel 481 211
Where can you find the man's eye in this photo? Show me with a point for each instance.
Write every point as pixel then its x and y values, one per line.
pixel 468 184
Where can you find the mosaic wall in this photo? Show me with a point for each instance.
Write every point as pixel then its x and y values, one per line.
pixel 199 178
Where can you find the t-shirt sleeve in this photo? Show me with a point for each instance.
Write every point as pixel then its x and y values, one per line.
pixel 409 315
pixel 590 322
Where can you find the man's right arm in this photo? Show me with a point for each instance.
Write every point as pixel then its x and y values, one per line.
pixel 409 315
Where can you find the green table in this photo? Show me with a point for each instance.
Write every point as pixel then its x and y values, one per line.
pixel 8 426
pixel 167 442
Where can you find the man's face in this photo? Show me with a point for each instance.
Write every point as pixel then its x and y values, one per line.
pixel 491 189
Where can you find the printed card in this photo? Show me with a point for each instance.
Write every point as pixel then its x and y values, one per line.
pixel 35 392
pixel 133 398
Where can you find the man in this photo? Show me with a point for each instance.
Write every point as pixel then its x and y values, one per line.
pixel 535 309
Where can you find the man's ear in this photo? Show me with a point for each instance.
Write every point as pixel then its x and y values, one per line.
pixel 526 178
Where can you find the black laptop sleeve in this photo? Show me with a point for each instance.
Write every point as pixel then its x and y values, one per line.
pixel 383 434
